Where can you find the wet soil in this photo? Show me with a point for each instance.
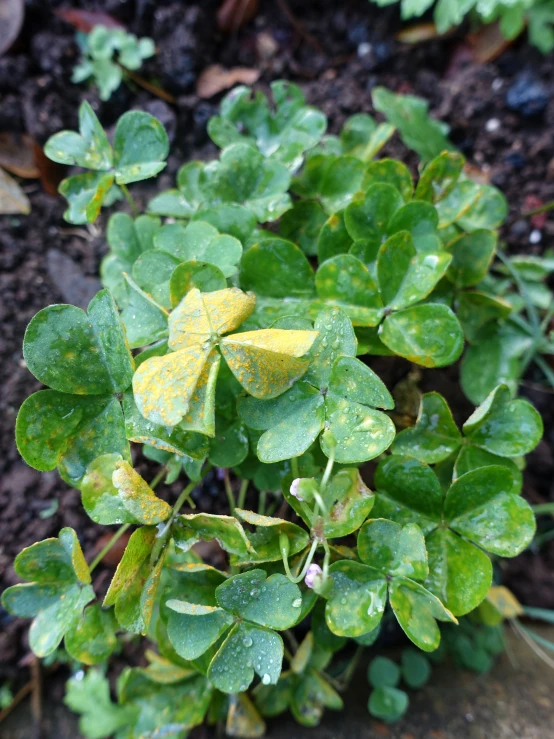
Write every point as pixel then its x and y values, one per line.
pixel 501 115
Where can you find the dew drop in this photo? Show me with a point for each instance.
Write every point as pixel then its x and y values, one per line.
pixel 266 679
pixel 297 603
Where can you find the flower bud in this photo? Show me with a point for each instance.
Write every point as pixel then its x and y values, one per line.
pixel 313 576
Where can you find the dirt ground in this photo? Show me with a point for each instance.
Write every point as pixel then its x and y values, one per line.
pixel 501 116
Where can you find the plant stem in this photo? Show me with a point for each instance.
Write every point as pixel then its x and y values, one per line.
pixel 543 508
pixel 294 467
pixel 538 334
pixel 130 199
pixel 229 492
pixel 328 471
pixel 158 478
pixel 307 563
pixel 262 502
pixel 242 494
pixel 102 553
pixel 162 537
pixel 347 675
pixel 542 209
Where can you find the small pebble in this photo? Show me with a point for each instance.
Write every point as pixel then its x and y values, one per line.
pixel 497 84
pixel 364 49
pixel 493 124
pixel 527 95
pixel 535 236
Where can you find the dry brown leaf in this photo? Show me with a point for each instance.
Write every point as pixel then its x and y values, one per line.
pixel 12 198
pixel 85 20
pixel 216 78
pixel 11 20
pixel 17 155
pixel 233 14
pixel 417 33
pixel 50 173
pixel 488 43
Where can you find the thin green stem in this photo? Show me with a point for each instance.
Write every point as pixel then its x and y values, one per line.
pixel 262 502
pixel 348 674
pixel 307 563
pixel 130 199
pixel 163 536
pixel 294 468
pixel 328 471
pixel 242 494
pixel 326 560
pixel 229 492
pixel 102 553
pixel 542 209
pixel 543 508
pixel 543 365
pixel 158 478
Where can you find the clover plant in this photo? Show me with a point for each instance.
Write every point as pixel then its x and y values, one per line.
pixel 513 16
pixel 107 55
pixel 233 341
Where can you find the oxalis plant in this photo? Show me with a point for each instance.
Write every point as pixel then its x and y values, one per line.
pixel 234 339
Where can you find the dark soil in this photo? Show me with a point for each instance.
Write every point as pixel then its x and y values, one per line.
pixel 501 115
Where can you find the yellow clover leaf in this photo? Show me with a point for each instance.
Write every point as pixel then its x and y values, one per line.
pixel 179 387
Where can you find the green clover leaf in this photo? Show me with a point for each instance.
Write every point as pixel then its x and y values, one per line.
pixel 481 510
pixel 501 426
pixel 140 148
pixel 439 177
pixel 342 401
pixel 92 639
pixel 59 336
pixel 282 129
pixel 86 359
pixel 58 593
pixel 410 115
pixel 504 426
pixel 69 432
pixel 135 583
pixel 256 605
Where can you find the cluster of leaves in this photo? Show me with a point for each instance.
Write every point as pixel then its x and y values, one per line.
pixel 229 335
pixel 106 55
pixel 513 16
pixel 387 701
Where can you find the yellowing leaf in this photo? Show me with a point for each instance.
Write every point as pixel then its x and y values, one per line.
pixel 164 386
pixel 266 362
pixel 201 411
pixel 504 601
pixel 138 497
pixel 200 316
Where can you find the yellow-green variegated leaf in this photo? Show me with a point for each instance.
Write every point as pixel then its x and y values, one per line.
pixel 267 362
pixel 138 497
pixel 164 386
pixel 200 316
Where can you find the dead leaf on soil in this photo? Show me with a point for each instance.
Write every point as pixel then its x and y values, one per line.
pixel 85 20
pixel 418 33
pixel 11 20
pixel 233 14
pixel 488 43
pixel 17 155
pixel 12 198
pixel 215 79
pixel 51 173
